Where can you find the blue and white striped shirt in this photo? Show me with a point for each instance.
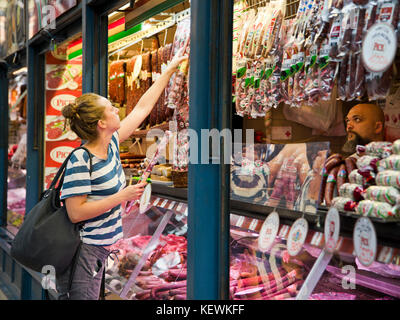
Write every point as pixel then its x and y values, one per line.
pixel 107 178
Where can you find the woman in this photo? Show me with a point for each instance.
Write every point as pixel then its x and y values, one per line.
pixel 95 198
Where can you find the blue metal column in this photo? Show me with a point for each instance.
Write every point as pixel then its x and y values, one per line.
pixel 35 132
pixel 35 126
pixel 210 107
pixel 94 49
pixel 3 143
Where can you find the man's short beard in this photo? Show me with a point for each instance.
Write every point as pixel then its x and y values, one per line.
pixel 351 144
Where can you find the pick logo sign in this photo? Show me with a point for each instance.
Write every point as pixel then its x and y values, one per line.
pixel 379 47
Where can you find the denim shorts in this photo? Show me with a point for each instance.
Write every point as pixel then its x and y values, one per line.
pixel 88 274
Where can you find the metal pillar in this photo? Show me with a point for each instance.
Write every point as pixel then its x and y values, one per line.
pixel 94 48
pixel 3 142
pixel 210 107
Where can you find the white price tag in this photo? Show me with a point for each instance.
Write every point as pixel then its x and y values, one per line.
pixel 365 241
pixel 331 229
pixel 297 236
pixel 269 231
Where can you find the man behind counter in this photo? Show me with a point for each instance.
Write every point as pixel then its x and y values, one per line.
pixel 364 124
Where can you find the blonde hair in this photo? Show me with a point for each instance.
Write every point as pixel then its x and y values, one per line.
pixel 83 116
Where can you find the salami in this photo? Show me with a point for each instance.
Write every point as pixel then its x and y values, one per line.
pixel 166 58
pixel 330 186
pixel 161 100
pixel 389 195
pixel 344 204
pixel 154 62
pixel 341 176
pixel 333 161
pixel 351 164
pixel 390 163
pixel 117 81
pixel 145 80
pixel 131 97
pixel 353 191
pixel 376 209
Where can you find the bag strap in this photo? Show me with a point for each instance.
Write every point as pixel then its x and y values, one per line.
pixel 61 170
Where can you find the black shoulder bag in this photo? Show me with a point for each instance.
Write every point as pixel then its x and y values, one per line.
pixel 47 235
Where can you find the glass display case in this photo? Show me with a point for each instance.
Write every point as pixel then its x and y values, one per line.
pixel 151 262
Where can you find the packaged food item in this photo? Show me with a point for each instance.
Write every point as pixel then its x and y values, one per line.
pixel 383 194
pixel 271 36
pixel 369 175
pixel 388 178
pixel 352 191
pixel 396 147
pixel 367 162
pixel 356 178
pixel 390 163
pixel 344 204
pixel 376 209
pixel 382 149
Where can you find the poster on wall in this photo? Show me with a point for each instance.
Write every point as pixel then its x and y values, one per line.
pixel 280 176
pixel 15 26
pixel 42 13
pixel 63 84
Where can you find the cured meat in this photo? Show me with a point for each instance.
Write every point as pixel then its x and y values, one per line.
pixel 145 80
pixel 342 176
pixel 154 62
pixel 117 81
pixel 132 96
pixel 333 161
pixel 351 164
pixel 330 186
pixel 168 113
pixel 161 100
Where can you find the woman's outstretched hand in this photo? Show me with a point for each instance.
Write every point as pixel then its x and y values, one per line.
pixel 177 60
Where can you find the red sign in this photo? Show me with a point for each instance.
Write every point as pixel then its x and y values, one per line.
pixel 63 85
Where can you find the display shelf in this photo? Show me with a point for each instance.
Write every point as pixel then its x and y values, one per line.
pixel 371 281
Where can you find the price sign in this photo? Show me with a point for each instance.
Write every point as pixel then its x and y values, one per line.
pixel 297 236
pixel 364 241
pixel 332 228
pixel 269 231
